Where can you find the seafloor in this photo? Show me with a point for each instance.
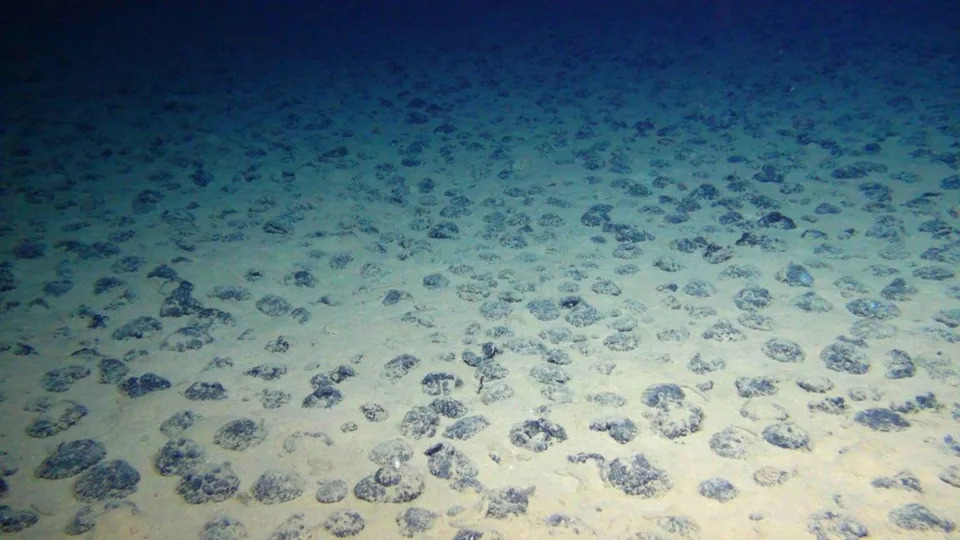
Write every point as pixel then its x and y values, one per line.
pixel 578 284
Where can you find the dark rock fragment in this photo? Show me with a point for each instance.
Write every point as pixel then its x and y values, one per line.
pixel 374 412
pixel 845 357
pixel 208 483
pixel 70 459
pixel 795 275
pixel 449 463
pixel 60 379
pixel 139 328
pixel 272 305
pixel 273 487
pixel 240 434
pixel 449 407
pixel 331 491
pixel 620 429
pixel 325 397
pixel 830 525
pixel 753 298
pixel 537 435
pixel 917 517
pixel 783 350
pixel 677 419
pixel 731 443
pixel 750 387
pixel 787 435
pixel 106 480
pixel 205 391
pixel 136 387
pixel 390 485
pixel 636 476
pixel 718 489
pixel 879 419
pixel 344 523
pixel 112 371
pixel 776 220
pixel 508 502
pixel 659 395
pixel 873 309
pixel 224 528
pixel 266 372
pixel 903 480
pixel 12 520
pixel 420 422
pixel 399 366
pixel 466 428
pixel 56 418
pixel 414 521
pixel 178 456
pixel 178 423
